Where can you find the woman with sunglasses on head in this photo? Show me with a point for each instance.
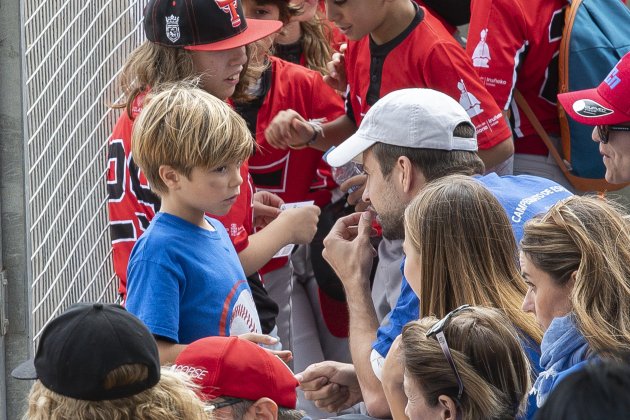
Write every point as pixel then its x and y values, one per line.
pixel 608 109
pixel 468 365
pixel 575 260
pixel 460 249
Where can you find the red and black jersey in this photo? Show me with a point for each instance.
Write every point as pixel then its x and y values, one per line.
pixel 292 174
pixel 515 44
pixel 132 204
pixel 424 55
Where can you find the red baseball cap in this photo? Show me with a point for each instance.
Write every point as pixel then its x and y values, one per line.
pixel 609 103
pixel 203 25
pixel 237 368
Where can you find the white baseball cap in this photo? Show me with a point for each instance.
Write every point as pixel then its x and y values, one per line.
pixel 416 118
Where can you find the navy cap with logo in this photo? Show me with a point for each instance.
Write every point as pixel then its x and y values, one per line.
pixel 79 348
pixel 203 25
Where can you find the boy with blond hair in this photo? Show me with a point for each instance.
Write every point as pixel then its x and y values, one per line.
pixel 185 280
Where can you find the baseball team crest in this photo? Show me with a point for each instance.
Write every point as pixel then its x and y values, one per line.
pixel 229 6
pixel 172 28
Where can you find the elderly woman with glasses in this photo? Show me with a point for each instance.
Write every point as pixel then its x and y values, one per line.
pixel 468 365
pixel 460 249
pixel 607 108
pixel 575 260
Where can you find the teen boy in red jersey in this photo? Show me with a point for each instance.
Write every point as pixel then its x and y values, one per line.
pixel 395 44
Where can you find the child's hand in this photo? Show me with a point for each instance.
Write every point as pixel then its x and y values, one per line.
pixel 264 339
pixel 301 223
pixel 336 77
pixel 266 208
pixel 288 129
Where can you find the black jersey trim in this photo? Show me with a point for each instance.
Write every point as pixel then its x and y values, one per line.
pixel 289 52
pixel 249 110
pixel 378 53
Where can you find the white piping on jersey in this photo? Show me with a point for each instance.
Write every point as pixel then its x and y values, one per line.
pixel 517 58
pixel 517 119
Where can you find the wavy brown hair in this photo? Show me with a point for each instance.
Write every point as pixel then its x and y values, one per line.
pixel 590 237
pixel 316 44
pixel 467 251
pixel 172 398
pixel 488 356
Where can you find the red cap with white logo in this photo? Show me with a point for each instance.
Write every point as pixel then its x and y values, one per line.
pixel 237 368
pixel 607 104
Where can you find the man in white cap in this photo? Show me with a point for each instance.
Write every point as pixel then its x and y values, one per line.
pixel 607 107
pixel 407 139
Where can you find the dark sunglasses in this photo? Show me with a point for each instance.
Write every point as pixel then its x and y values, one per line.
pixel 438 331
pixel 604 131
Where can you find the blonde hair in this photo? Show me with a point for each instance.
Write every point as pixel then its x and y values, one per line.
pixel 590 237
pixel 185 127
pixel 151 65
pixel 467 251
pixel 172 398
pixel 488 357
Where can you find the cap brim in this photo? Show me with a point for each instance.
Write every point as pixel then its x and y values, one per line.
pixel 348 150
pixel 572 103
pixel 25 370
pixel 256 29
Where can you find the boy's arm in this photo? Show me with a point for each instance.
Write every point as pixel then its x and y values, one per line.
pixel 168 351
pixel 290 129
pixel 497 154
pixel 292 226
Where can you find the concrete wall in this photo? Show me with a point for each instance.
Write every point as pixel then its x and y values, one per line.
pixel 14 346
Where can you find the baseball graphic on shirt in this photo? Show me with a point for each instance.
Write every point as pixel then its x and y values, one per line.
pixel 468 101
pixel 481 55
pixel 244 315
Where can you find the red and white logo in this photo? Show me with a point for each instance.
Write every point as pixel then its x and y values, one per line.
pixel 229 6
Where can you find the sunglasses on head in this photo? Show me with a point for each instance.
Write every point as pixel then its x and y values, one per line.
pixel 437 330
pixel 604 131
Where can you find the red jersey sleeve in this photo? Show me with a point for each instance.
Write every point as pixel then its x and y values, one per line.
pixel 448 70
pixel 131 203
pixel 497 58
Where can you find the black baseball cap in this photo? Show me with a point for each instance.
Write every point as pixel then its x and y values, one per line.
pixel 203 25
pixel 80 347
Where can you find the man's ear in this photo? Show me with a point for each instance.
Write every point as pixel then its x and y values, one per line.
pixel 411 178
pixel 169 176
pixel 448 408
pixel 263 409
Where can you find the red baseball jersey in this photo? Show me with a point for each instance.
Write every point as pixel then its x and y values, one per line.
pixel 132 204
pixel 294 175
pixel 424 55
pixel 515 44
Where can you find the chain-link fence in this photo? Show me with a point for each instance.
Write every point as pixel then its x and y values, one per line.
pixel 73 52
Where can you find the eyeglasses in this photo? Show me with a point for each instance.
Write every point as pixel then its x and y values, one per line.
pixel 604 131
pixel 438 330
pixel 225 402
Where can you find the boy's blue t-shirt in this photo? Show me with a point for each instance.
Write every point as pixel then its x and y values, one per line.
pixel 185 282
pixel 522 197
